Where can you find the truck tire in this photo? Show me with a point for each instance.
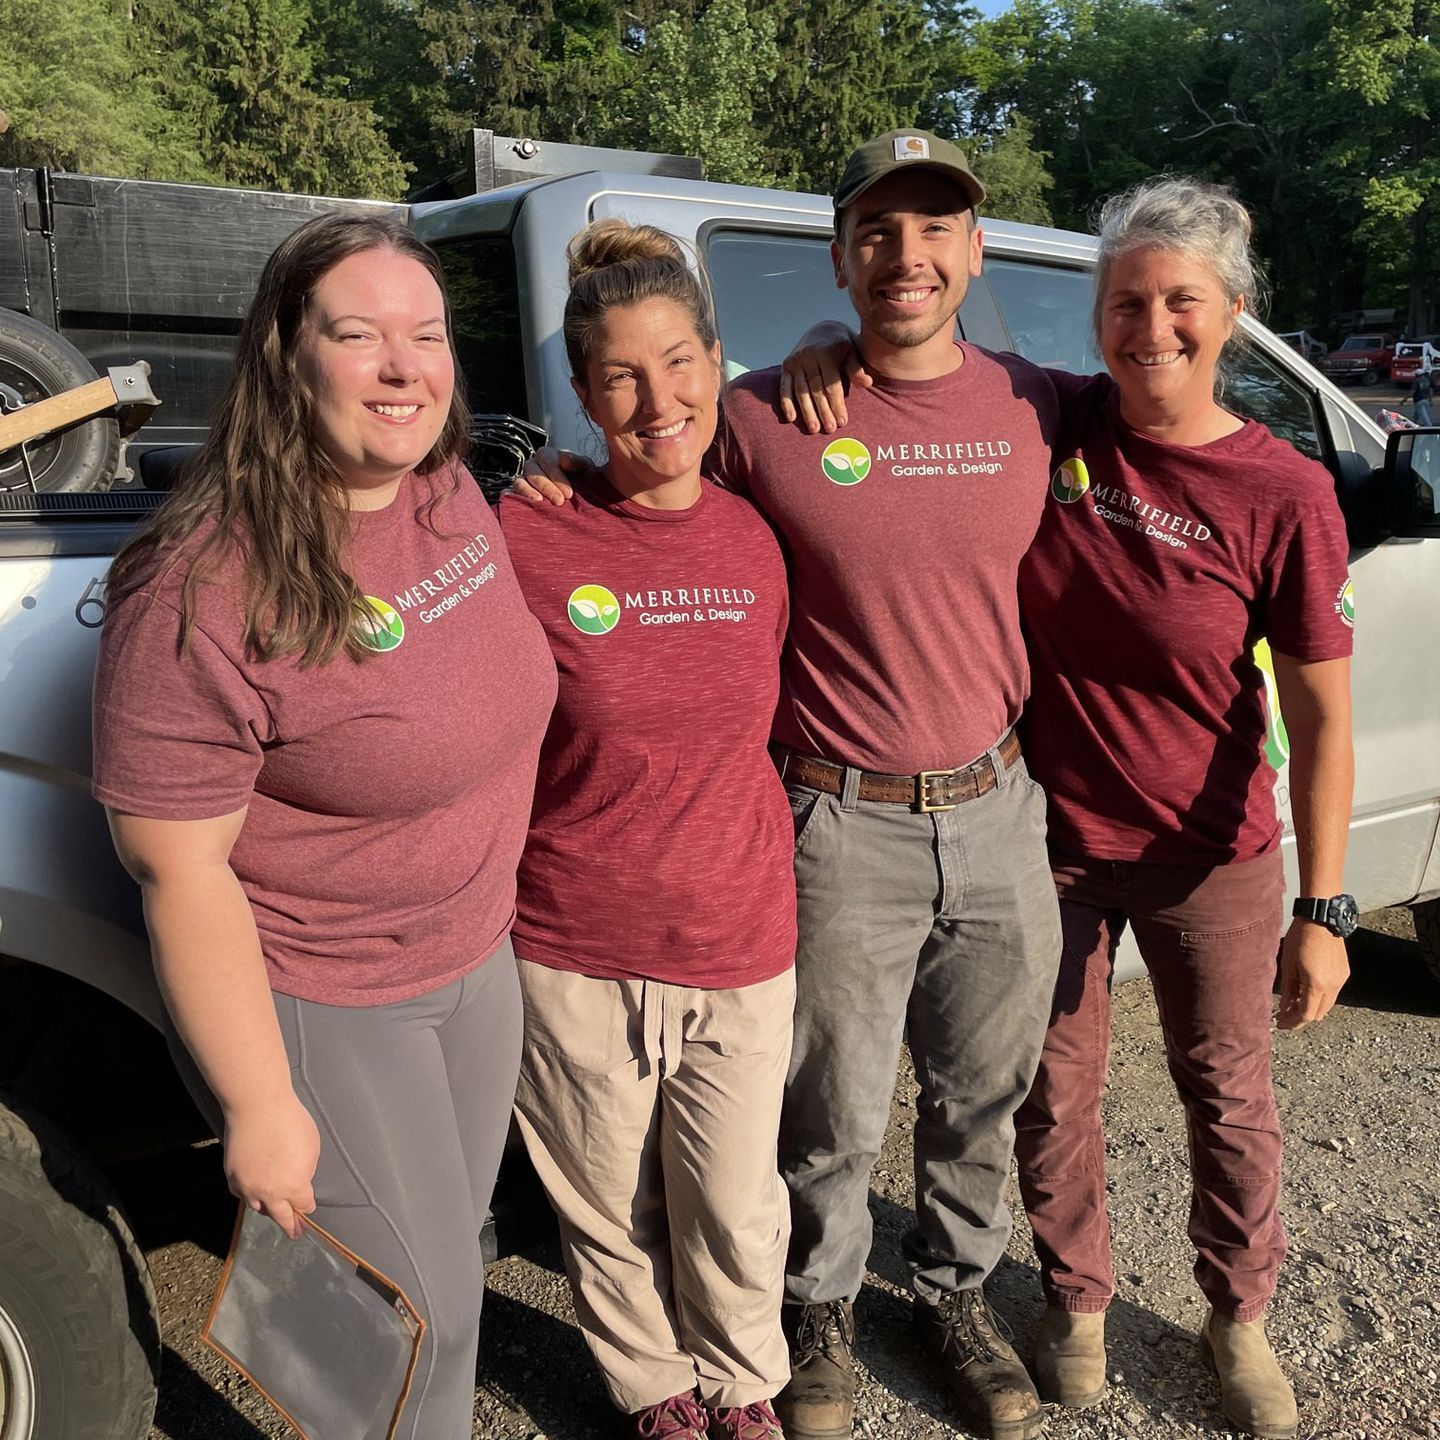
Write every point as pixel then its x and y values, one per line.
pixel 1427 932
pixel 36 363
pixel 1371 377
pixel 79 1339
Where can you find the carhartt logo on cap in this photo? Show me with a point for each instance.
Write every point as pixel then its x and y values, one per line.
pixel 912 147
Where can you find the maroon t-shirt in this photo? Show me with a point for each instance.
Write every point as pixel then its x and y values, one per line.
pixel 903 537
pixel 387 798
pixel 1156 570
pixel 661 842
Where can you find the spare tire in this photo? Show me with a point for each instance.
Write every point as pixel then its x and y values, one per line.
pixel 36 363
pixel 79 1338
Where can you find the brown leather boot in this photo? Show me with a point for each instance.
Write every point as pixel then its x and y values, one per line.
pixel 992 1388
pixel 1070 1358
pixel 1254 1393
pixel 819 1401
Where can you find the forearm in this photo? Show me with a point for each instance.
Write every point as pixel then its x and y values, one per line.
pixel 1322 782
pixel 212 975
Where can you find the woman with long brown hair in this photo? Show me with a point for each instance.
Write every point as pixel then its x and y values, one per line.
pixel 318 711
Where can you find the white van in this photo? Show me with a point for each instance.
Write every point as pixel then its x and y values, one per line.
pixel 72 949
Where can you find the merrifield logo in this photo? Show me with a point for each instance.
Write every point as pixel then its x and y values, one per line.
pixel 1070 481
pixel 1345 604
pixel 846 462
pixel 378 625
pixel 593 609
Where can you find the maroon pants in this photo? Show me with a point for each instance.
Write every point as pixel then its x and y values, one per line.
pixel 1209 937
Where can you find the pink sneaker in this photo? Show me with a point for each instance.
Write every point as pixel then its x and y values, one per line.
pixel 750 1422
pixel 678 1418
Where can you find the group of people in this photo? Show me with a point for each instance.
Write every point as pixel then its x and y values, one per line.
pixel 1011 706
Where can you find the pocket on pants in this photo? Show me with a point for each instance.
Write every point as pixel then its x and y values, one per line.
pixel 805 807
pixel 579 1019
pixel 1196 942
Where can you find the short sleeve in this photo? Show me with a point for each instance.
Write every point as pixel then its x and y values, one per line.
pixel 178 735
pixel 1309 604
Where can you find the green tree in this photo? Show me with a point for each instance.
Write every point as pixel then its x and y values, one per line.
pixel 1383 63
pixel 849 69
pixel 1013 173
pixel 246 70
pixel 81 94
pixel 701 83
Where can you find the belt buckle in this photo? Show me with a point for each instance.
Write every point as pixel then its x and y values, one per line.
pixel 923 780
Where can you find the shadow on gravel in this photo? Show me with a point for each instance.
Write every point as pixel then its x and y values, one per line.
pixel 1387 973
pixel 1157 1362
pixel 190 1408
pixel 533 1362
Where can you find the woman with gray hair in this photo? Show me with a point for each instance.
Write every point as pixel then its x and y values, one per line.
pixel 1180 537
pixel 1188 568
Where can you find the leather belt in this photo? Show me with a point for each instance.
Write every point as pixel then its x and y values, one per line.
pixel 928 791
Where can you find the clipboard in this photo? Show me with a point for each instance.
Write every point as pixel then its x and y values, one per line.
pixel 329 1341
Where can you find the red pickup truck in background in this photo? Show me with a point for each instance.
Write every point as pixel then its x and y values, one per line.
pixel 1365 358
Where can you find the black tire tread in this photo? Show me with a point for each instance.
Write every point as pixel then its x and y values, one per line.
pixel 93 449
pixel 69 1209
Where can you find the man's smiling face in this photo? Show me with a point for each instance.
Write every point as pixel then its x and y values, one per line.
pixel 906 250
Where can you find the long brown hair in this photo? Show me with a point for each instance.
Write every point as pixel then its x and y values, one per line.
pixel 261 478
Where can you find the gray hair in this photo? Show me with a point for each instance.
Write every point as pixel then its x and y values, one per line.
pixel 1176 212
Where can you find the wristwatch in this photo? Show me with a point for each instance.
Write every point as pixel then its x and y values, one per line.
pixel 1340 915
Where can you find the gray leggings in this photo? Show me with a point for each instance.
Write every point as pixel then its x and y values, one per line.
pixel 413 1105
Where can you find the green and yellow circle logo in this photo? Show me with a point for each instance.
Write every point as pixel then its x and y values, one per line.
pixel 846 462
pixel 378 625
pixel 1345 604
pixel 593 609
pixel 1070 481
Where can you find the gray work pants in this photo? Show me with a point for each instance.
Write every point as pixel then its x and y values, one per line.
pixel 413 1101
pixel 945 927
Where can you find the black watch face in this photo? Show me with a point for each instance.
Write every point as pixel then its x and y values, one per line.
pixel 1344 917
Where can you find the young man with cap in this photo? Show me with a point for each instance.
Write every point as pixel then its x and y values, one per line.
pixel 925 901
pixel 926 905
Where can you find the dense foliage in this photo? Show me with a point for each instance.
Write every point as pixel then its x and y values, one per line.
pixel 1321 113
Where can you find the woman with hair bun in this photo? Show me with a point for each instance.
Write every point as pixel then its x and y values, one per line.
pixel 322 786
pixel 1176 537
pixel 656 921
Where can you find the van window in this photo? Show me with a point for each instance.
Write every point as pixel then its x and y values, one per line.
pixel 769 289
pixel 1256 387
pixel 1047 312
pixel 485 318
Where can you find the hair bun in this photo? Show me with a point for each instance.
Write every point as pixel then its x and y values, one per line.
pixel 616 242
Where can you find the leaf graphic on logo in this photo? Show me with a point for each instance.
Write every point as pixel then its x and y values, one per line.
pixel 609 610
pixel 860 467
pixel 838 462
pixel 588 608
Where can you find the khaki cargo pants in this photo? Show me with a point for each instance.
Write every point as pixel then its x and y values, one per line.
pixel 651 1112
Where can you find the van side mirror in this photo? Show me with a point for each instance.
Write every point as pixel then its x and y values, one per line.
pixel 1412 481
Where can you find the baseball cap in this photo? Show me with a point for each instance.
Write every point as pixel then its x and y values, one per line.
pixel 901 149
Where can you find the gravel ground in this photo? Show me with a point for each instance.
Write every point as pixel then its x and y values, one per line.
pixel 1356 1320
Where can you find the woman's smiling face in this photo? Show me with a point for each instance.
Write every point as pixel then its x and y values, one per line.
pixel 1164 320
pixel 651 385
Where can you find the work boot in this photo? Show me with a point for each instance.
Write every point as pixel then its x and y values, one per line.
pixel 1254 1393
pixel 1070 1358
pixel 745 1422
pixel 819 1401
pixel 992 1388
pixel 678 1418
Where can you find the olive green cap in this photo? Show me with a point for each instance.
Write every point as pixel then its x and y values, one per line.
pixel 900 150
